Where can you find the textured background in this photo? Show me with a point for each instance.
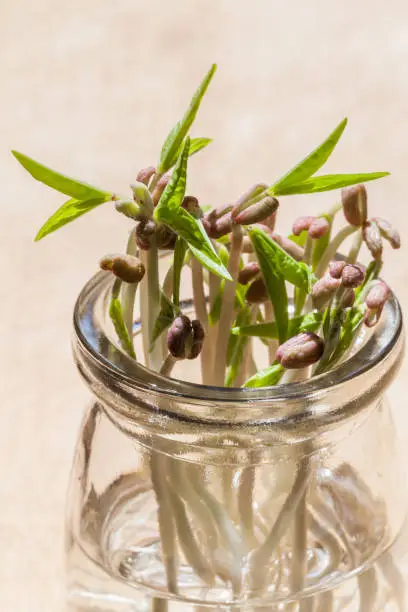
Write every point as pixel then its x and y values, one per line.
pixel 92 87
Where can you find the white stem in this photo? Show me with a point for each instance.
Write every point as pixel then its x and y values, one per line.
pixel 333 247
pixel 167 365
pixel 227 309
pixel 355 247
pixel 128 291
pixel 307 255
pixel 165 519
pixel 150 305
pixel 201 314
pixel 273 343
pixel 214 287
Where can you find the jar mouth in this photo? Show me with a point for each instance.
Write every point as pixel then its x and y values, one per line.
pixel 92 342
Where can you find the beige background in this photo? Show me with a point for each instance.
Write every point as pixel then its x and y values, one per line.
pixel 92 87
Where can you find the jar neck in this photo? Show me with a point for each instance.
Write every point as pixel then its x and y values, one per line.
pixel 294 411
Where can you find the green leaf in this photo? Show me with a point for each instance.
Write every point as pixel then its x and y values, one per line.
pixel 269 377
pixel 327 182
pixel 172 196
pixel 299 240
pixel 178 263
pixel 170 212
pixel 274 279
pixel 308 322
pixel 68 212
pixel 166 316
pixel 296 272
pixel 115 313
pixel 179 132
pixel 203 250
pixel 60 182
pixel 312 163
pixel 196 144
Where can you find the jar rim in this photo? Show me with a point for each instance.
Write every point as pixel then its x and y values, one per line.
pixel 92 342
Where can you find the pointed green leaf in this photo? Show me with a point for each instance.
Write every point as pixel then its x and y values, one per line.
pixel 179 132
pixel 312 163
pixel 60 182
pixel 196 144
pixel 71 210
pixel 178 262
pixel 269 377
pixel 116 315
pixel 295 272
pixel 274 279
pixel 169 212
pixel 175 190
pixel 299 240
pixel 327 182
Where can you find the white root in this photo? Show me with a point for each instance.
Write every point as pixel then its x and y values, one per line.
pixel 165 519
pixel 202 517
pixel 368 588
pixel 245 505
pixel 187 541
pixel 260 557
pixel 394 579
pixel 229 536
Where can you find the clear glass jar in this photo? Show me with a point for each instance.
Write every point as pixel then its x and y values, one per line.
pixel 192 498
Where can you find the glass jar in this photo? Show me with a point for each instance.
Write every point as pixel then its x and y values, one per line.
pixel 191 498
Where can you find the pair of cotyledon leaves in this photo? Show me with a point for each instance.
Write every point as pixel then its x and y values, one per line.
pixel 175 152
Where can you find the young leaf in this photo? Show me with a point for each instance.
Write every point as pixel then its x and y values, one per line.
pixel 169 212
pixel 303 323
pixel 178 263
pixel 116 315
pixel 327 182
pixel 175 190
pixel 168 312
pixel 71 210
pixel 179 132
pixel 312 163
pixel 269 377
pixel 299 240
pixel 196 144
pixel 274 280
pixel 295 272
pixel 60 182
